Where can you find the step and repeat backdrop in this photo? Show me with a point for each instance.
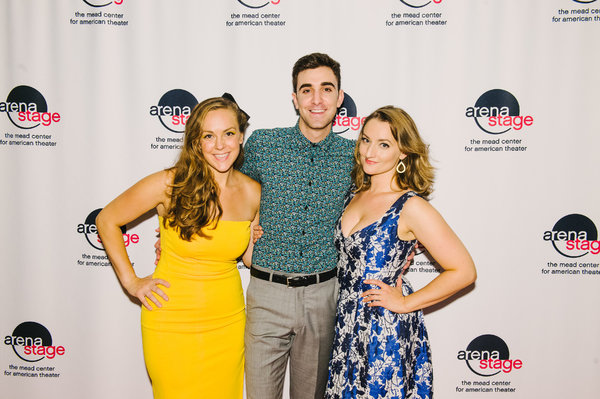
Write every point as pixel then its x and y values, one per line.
pixel 94 95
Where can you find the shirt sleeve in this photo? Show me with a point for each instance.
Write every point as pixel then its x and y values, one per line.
pixel 250 166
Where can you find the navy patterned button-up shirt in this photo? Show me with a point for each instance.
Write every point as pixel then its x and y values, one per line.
pixel 303 190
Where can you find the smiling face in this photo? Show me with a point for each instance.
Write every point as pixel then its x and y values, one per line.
pixel 317 99
pixel 378 149
pixel 221 139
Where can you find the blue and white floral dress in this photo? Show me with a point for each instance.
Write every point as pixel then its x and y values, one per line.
pixel 377 353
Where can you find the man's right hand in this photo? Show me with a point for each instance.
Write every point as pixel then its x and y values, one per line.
pixel 257 232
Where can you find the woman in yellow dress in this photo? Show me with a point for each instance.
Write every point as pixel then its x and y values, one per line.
pixel 193 312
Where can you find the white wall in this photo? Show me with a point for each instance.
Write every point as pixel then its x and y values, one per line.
pixel 101 80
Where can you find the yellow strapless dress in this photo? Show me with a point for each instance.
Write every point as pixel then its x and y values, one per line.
pixel 194 344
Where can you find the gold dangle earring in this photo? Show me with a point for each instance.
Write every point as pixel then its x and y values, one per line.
pixel 401 165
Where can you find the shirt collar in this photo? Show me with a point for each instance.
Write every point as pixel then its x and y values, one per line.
pixel 302 142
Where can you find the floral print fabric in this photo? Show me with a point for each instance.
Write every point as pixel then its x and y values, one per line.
pixel 377 353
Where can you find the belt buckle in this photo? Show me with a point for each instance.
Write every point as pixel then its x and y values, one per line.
pixel 288 279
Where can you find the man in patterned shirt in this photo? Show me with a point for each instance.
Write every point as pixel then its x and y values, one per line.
pixel 304 171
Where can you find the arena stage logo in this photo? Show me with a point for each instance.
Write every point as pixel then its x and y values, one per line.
pixel 497 111
pixel 258 3
pixel 174 109
pixel 488 355
pixel 419 3
pixel 346 117
pixel 89 230
pixel 584 1
pixel 102 3
pixel 32 342
pixel 27 108
pixel 574 236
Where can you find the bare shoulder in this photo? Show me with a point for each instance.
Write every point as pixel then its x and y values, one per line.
pixel 417 208
pixel 249 184
pixel 415 204
pixel 249 187
pixel 162 178
pixel 168 176
pixel 160 183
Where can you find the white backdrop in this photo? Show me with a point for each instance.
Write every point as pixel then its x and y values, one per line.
pixel 101 66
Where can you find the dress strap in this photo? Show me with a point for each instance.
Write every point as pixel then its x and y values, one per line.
pixel 397 206
pixel 349 195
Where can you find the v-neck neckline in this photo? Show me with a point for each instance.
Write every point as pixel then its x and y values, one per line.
pixel 371 224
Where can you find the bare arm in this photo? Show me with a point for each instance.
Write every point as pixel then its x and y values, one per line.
pixel 148 193
pixel 247 257
pixel 254 194
pixel 420 219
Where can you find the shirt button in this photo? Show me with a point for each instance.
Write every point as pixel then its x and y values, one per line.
pixel 303 232
pixel 306 207
pixel 309 183
pixel 300 253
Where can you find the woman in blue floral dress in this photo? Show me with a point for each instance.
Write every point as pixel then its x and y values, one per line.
pixel 381 348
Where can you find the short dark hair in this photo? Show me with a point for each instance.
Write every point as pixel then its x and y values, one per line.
pixel 315 60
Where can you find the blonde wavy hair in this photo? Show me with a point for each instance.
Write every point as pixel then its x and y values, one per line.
pixel 194 192
pixel 419 172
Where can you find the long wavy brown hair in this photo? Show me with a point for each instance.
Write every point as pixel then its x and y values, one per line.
pixel 194 192
pixel 419 172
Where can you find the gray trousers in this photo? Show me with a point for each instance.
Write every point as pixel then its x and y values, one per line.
pixel 295 324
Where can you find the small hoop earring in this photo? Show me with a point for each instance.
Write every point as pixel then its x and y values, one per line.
pixel 401 164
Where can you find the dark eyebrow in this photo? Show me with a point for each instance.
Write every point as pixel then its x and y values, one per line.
pixel 310 85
